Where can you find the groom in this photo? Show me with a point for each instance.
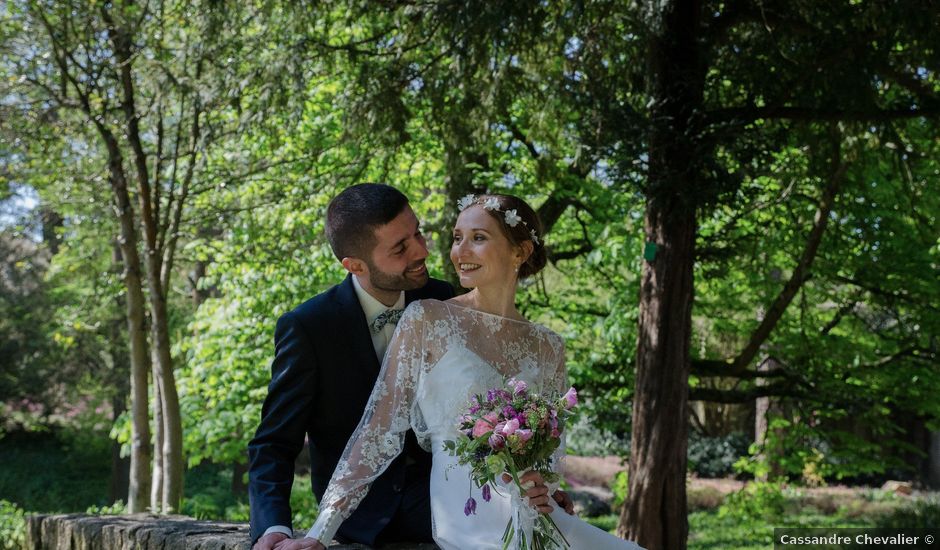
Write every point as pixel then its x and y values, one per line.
pixel 328 352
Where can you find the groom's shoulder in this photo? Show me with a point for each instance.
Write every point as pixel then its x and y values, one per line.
pixel 320 306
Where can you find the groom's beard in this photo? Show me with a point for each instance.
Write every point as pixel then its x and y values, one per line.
pixel 398 281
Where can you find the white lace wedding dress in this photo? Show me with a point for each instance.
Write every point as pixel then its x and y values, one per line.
pixel 440 356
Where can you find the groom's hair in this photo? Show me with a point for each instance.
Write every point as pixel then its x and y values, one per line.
pixel 354 214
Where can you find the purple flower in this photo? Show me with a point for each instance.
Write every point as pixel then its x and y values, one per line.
pixel 571 398
pixel 524 434
pixel 470 507
pixel 496 442
pixel 486 493
pixel 521 387
pixel 509 412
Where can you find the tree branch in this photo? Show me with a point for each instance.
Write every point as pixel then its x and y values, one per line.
pixel 801 271
pixel 748 114
pixel 780 389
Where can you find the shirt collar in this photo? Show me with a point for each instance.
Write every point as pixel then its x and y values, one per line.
pixel 370 305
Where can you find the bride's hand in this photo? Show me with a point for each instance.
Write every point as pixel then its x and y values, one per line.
pixel 535 490
pixel 300 544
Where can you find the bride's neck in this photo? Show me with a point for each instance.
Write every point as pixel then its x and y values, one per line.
pixel 500 301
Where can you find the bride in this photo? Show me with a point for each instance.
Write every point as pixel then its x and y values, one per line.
pixel 443 353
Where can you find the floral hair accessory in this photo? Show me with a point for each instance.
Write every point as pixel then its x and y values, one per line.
pixel 511 217
pixel 466 201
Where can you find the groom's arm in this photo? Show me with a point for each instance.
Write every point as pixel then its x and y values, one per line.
pixel 280 435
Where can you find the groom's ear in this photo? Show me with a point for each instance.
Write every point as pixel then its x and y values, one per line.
pixel 355 266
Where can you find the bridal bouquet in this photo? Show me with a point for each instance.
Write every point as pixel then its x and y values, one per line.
pixel 512 430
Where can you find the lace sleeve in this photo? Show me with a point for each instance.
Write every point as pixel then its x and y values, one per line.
pixel 559 383
pixel 380 436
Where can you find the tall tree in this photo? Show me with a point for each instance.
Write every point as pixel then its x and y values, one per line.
pixel 136 78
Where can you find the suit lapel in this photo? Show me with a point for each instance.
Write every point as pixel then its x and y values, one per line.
pixel 352 326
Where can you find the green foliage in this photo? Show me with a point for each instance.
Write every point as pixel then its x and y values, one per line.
pixel 12 526
pixel 619 486
pixel 798 451
pixel 303 503
pixel 53 473
pixel 757 501
pixel 115 509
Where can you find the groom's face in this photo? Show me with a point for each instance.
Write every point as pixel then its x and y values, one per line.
pixel 397 261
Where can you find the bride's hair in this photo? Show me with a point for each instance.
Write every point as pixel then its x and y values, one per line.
pixel 529 230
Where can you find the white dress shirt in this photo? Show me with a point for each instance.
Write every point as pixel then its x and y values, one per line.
pixel 372 308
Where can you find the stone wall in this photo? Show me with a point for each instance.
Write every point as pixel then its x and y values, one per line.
pixel 145 532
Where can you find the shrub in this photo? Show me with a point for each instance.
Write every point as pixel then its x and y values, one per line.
pixel 12 526
pixel 756 501
pixel 922 513
pixel 716 456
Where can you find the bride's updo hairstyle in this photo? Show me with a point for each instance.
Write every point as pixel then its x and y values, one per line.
pixel 528 227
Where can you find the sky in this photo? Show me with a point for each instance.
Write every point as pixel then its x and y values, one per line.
pixel 15 208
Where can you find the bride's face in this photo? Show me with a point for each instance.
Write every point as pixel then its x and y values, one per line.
pixel 481 253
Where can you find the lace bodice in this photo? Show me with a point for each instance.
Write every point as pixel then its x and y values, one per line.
pixel 440 355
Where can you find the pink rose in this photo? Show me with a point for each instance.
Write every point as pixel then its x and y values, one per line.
pixel 484 424
pixel 524 434
pixel 510 427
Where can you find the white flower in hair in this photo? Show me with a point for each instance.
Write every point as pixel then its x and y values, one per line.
pixel 491 203
pixel 512 218
pixel 535 238
pixel 466 201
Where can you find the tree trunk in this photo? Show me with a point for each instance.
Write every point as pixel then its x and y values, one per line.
pixel 172 450
pixel 120 466
pixel 156 487
pixel 239 487
pixel 172 421
pixel 766 407
pixel 51 221
pixel 655 513
pixel 139 486
pixel 933 461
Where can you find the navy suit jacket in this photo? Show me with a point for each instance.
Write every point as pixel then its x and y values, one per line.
pixel 323 372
